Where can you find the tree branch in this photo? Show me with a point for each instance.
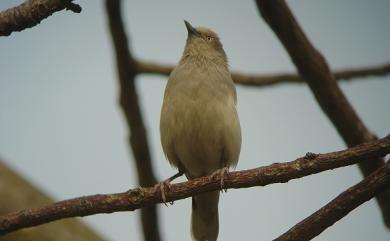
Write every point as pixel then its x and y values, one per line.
pixel 31 13
pixel 145 197
pixel 131 109
pixel 272 79
pixel 313 67
pixel 339 207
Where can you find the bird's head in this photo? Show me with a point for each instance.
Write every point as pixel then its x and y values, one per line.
pixel 203 42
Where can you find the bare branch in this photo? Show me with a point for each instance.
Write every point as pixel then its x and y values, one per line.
pixel 339 207
pixel 131 109
pixel 313 67
pixel 363 72
pixel 31 13
pixel 273 79
pixel 144 197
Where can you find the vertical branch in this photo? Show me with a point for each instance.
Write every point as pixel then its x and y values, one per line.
pixel 131 109
pixel 313 67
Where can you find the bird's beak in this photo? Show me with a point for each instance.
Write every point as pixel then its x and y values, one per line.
pixel 191 30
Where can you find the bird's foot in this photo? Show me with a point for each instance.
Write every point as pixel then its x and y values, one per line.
pixel 167 184
pixel 222 174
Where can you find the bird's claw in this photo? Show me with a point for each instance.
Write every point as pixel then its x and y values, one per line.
pixel 167 183
pixel 161 186
pixel 221 173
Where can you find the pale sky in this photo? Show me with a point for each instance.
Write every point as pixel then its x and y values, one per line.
pixel 61 126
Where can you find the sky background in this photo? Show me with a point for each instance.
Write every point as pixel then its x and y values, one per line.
pixel 62 128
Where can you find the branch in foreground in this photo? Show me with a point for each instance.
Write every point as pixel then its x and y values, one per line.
pixel 313 67
pixel 273 79
pixel 339 207
pixel 132 111
pixel 144 197
pixel 31 13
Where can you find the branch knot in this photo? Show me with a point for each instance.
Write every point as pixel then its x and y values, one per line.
pixel 136 195
pixel 311 156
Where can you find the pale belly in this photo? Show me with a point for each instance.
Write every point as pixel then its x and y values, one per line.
pixel 199 135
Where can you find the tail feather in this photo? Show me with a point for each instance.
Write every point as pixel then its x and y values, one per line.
pixel 204 217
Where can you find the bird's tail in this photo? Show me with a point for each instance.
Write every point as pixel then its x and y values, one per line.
pixel 204 217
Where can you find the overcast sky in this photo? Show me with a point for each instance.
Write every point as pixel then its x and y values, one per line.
pixel 61 126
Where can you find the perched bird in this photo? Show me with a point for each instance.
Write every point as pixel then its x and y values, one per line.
pixel 199 125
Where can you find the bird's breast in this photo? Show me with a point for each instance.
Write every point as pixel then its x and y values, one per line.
pixel 197 120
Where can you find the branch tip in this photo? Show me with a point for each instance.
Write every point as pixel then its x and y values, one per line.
pixel 69 5
pixel 30 13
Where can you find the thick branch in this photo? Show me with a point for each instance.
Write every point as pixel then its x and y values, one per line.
pixel 31 13
pixel 132 111
pixel 339 207
pixel 313 67
pixel 273 79
pixel 144 197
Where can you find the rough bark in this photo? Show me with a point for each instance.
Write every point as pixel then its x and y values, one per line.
pixel 143 197
pixel 31 13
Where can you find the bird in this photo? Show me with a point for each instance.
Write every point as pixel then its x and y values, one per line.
pixel 199 124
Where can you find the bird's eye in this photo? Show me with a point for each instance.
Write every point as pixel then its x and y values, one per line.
pixel 208 38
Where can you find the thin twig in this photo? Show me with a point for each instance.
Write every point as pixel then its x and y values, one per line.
pixel 143 197
pixel 132 112
pixel 144 67
pixel 313 67
pixel 31 13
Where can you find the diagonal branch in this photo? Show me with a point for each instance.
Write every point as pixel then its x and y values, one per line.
pixel 339 207
pixel 31 13
pixel 273 79
pixel 132 111
pixel 145 197
pixel 313 67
